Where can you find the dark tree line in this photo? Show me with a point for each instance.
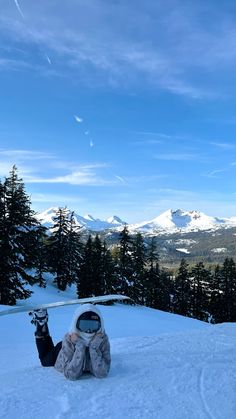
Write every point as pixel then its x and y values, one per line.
pixel 28 251
pixel 207 294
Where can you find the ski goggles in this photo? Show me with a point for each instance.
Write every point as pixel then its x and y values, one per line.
pixel 88 326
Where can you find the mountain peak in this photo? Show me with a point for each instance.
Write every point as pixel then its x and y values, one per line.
pixel 89 217
pixel 115 220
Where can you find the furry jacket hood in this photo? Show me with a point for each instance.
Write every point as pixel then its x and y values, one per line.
pixel 82 309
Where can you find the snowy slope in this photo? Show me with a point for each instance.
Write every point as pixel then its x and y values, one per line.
pixel 164 366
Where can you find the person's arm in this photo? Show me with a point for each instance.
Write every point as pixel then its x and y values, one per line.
pixel 99 350
pixel 70 360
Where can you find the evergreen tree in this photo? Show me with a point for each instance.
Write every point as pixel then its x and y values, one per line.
pixel 216 301
pixel 97 273
pixel 64 248
pixel 98 267
pixel 181 302
pixel 228 291
pixel 201 279
pixel 57 248
pixel 163 291
pixel 85 282
pixel 110 274
pixel 138 250
pixel 125 263
pixel 17 230
pixel 152 275
pixel 40 248
pixel 74 250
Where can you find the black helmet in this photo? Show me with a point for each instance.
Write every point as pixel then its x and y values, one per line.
pixel 88 322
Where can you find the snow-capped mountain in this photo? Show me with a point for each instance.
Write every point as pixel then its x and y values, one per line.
pixel 169 222
pixel 87 221
pixel 183 221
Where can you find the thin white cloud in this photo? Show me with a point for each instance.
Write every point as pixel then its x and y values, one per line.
pixel 152 137
pixel 144 179
pixel 19 154
pixel 147 142
pixel 176 156
pixel 27 161
pixel 19 9
pixel 48 59
pixel 46 166
pixel 224 146
pixel 91 143
pixel 89 166
pixel 120 178
pixel 153 134
pixel 123 59
pixel 24 65
pixel 10 63
pixel 215 173
pixel 58 199
pixel 79 177
pixel 78 119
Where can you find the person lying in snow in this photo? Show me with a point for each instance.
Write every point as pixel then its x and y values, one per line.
pixel 85 348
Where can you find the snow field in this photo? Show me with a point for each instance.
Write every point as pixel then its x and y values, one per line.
pixel 164 366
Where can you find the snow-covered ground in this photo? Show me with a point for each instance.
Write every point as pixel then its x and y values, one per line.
pixel 164 366
pixel 219 250
pixel 183 250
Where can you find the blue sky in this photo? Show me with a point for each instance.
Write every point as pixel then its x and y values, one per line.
pixel 120 107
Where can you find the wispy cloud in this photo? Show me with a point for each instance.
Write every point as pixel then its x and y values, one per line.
pixel 176 51
pixel 78 119
pixel 152 137
pixel 176 156
pixel 19 9
pixel 215 173
pixel 79 177
pixel 144 179
pixel 48 59
pixel 23 160
pixel 22 154
pixel 120 178
pixel 224 146
pixel 48 168
pixel 58 199
pixel 153 134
